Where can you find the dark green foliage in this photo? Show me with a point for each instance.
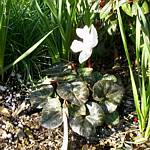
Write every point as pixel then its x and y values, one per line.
pixel 85 114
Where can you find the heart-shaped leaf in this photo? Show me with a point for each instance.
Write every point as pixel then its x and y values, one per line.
pixel 85 125
pixel 82 127
pixel 108 92
pixel 109 77
pixel 39 96
pixel 75 92
pixel 52 114
pixel 84 72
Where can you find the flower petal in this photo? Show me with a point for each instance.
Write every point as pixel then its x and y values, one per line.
pixel 83 32
pixel 77 46
pixel 94 36
pixel 84 55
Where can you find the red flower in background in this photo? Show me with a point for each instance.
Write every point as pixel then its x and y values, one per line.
pixel 135 119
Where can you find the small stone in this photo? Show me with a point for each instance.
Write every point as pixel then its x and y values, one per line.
pixel 1 97
pixel 9 135
pixel 4 111
pixel 4 135
pixel 20 125
pixel 113 129
pixel 3 88
pixel 3 126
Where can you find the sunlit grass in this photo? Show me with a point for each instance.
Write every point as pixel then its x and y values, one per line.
pixel 4 21
pixel 141 92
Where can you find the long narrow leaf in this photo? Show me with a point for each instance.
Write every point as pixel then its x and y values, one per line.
pixel 29 51
pixel 4 21
pixel 147 132
pixel 135 93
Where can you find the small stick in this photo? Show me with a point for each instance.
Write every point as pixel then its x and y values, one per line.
pixel 65 125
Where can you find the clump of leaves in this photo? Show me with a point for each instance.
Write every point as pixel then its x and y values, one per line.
pixel 85 111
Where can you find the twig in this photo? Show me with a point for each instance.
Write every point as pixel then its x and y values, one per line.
pixel 65 123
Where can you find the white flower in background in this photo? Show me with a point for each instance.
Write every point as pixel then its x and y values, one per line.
pixel 89 40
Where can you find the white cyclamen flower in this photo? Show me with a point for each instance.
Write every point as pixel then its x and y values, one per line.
pixel 90 40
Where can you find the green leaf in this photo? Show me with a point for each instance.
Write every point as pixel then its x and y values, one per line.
pixel 96 114
pixel 108 93
pixel 127 9
pixel 59 69
pixel 85 125
pixel 75 110
pixel 98 92
pixel 29 51
pixel 109 77
pixel 112 27
pixel 82 127
pixel 84 72
pixel 134 9
pixel 76 92
pixel 89 75
pixel 52 114
pixel 39 96
pixel 145 7
pixel 52 7
pixel 112 118
pixel 106 10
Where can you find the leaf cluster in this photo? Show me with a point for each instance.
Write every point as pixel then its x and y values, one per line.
pixel 91 98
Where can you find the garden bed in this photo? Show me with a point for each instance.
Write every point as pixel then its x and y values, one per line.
pixel 20 126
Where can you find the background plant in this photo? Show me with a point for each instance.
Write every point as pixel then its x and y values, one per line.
pixel 67 15
pixel 141 90
pixel 136 32
pixel 4 21
pixel 27 25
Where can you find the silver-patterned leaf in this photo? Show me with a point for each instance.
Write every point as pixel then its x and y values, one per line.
pixel 81 92
pixel 39 96
pixel 109 77
pixel 76 92
pixel 84 72
pixel 52 114
pixel 59 69
pixel 108 92
pixel 75 110
pixel 81 126
pixel 96 116
pixel 88 75
pixel 86 124
pixel 111 107
pixel 98 92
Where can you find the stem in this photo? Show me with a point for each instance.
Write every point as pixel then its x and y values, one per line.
pixel 65 121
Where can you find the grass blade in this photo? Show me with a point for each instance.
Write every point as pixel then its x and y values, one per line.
pixel 29 51
pixel 135 93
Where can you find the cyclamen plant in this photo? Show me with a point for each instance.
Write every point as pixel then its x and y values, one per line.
pixel 70 100
pixel 65 98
